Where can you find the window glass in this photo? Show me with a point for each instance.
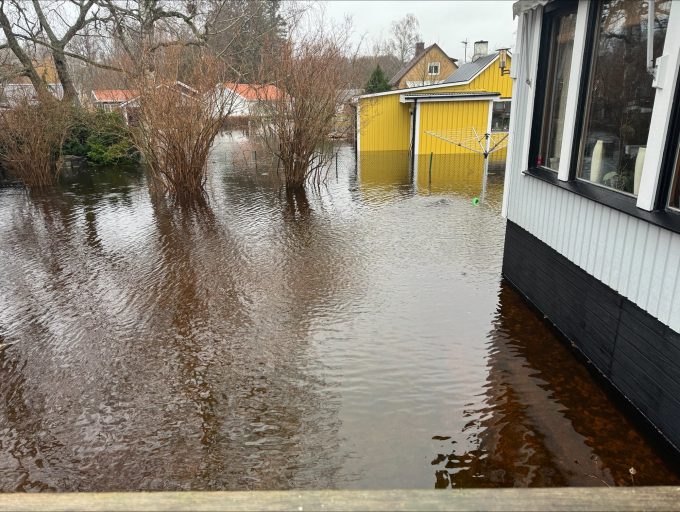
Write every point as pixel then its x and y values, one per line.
pixel 674 196
pixel 561 25
pixel 620 96
pixel 500 117
pixel 433 68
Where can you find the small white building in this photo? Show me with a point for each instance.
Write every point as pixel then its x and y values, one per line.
pixel 111 99
pixel 246 100
pixel 11 95
pixel 592 189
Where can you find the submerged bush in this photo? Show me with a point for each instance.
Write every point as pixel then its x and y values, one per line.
pixel 31 136
pixel 102 137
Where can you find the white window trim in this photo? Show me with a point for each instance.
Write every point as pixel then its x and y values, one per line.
pixel 435 63
pixel 574 86
pixel 532 64
pixel 667 78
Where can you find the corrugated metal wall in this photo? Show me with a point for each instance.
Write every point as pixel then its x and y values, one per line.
pixel 454 119
pixel 384 122
pixel 638 260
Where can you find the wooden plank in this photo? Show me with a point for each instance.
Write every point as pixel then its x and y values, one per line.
pixel 591 498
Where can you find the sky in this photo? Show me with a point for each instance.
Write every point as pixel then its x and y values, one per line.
pixel 446 23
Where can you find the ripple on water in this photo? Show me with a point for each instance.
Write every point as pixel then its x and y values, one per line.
pixel 363 340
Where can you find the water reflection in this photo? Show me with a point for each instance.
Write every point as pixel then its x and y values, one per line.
pixel 542 422
pixel 261 341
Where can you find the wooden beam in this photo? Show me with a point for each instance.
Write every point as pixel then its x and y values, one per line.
pixel 591 498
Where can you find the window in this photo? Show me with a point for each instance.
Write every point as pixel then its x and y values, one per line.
pixel 619 100
pixel 558 43
pixel 500 117
pixel 674 195
pixel 433 68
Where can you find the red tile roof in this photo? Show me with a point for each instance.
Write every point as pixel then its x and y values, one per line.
pixel 113 95
pixel 253 92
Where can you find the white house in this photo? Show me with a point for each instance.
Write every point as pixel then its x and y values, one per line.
pixel 11 95
pixel 246 99
pixel 111 99
pixel 592 190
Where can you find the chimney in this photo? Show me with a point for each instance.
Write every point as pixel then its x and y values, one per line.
pixel 481 50
pixel 420 48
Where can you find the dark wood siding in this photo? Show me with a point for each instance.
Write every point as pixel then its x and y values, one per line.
pixel 638 354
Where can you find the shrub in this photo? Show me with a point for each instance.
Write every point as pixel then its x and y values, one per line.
pixel 31 137
pixel 102 137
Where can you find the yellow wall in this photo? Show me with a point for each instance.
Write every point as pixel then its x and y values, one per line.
pixel 491 80
pixel 451 116
pixel 384 123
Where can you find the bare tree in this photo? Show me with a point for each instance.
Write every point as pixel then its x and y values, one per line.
pixel 47 24
pixel 243 29
pixel 404 34
pixel 176 124
pixel 67 28
pixel 310 69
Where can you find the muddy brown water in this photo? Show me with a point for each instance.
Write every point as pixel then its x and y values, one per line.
pixel 363 340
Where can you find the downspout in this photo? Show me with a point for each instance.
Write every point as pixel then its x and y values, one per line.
pixel 413 133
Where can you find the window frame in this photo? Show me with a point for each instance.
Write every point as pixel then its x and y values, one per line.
pixel 434 63
pixel 592 31
pixel 550 12
pixel 505 101
pixel 660 214
pixel 670 161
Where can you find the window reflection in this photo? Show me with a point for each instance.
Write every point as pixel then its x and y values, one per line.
pixel 562 27
pixel 674 197
pixel 620 94
pixel 500 118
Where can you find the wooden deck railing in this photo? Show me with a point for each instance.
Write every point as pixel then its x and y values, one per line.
pixel 620 499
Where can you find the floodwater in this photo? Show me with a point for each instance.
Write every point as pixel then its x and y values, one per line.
pixel 362 339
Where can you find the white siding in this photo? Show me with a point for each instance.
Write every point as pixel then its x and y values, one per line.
pixel 639 260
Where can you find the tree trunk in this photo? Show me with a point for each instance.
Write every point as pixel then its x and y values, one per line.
pixel 29 70
pixel 70 92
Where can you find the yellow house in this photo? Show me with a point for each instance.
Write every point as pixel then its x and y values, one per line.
pixel 410 126
pixel 429 66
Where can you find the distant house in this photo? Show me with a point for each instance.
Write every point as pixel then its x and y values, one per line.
pixel 247 99
pixel 130 107
pixel 429 66
pixel 20 88
pixel 347 97
pixel 447 121
pixel 111 99
pixel 11 95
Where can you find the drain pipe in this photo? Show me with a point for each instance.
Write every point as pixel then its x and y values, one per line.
pixel 651 69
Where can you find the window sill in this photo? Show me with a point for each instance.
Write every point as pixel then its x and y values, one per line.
pixel 626 204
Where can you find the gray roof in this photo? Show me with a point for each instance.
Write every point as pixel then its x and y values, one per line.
pixel 470 69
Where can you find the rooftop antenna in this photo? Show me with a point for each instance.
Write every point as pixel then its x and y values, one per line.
pixel 465 44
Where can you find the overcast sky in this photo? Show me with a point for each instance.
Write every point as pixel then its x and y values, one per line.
pixel 446 23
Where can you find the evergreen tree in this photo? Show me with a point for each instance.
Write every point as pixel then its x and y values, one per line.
pixel 377 82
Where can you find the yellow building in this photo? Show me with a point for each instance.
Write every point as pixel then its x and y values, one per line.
pixel 436 120
pixel 429 66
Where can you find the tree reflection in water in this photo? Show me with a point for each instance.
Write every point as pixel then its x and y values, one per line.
pixel 544 421
pixel 268 341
